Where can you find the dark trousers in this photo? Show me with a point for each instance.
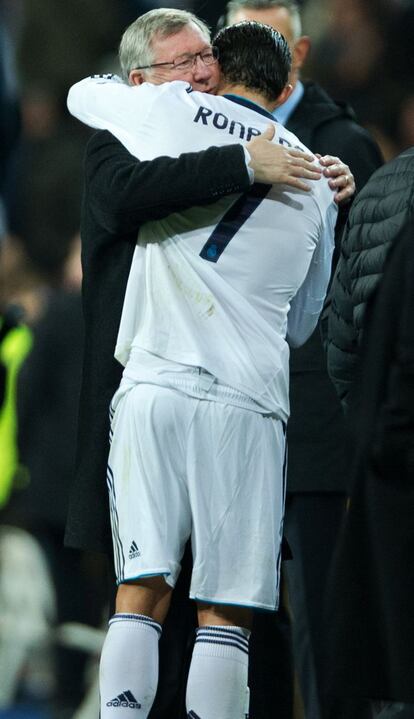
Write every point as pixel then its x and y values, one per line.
pixel 312 522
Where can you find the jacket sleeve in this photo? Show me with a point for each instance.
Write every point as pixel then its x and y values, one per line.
pixel 342 346
pixel 124 192
pixel 392 447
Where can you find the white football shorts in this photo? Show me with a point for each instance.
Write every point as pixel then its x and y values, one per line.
pixel 182 467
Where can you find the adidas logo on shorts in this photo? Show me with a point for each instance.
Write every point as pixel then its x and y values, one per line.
pixel 134 551
pixel 126 700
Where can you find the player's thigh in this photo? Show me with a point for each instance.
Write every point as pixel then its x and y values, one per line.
pixel 146 478
pixel 237 488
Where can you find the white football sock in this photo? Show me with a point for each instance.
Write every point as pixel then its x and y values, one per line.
pixel 217 681
pixel 128 673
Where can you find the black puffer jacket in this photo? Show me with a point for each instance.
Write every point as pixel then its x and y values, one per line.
pixel 381 210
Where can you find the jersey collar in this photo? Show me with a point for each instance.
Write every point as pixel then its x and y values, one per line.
pixel 251 105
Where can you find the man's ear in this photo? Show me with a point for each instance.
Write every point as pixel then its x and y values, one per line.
pixel 300 51
pixel 284 95
pixel 136 77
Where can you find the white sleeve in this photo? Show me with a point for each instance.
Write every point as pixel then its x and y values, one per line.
pixel 105 102
pixel 307 304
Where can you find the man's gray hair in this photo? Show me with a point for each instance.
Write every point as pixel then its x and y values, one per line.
pixel 290 5
pixel 136 49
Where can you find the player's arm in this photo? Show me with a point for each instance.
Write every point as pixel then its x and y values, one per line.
pixel 307 304
pixel 123 191
pixel 105 102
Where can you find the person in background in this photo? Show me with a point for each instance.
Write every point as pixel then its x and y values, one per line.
pixel 47 393
pixel 317 479
pixel 379 214
pixel 371 590
pixel 378 434
pixel 15 344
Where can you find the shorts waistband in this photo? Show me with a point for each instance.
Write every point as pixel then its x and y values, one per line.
pixel 201 384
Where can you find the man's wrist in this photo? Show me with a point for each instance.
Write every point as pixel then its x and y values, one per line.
pixel 248 159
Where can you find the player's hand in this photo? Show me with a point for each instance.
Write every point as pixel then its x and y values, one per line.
pixel 340 176
pixel 274 163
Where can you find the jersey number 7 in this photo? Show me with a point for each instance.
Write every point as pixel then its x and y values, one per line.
pixel 232 220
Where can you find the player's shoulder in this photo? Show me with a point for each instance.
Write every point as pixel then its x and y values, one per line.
pixel 321 192
pixel 175 88
pixel 173 93
pixel 105 77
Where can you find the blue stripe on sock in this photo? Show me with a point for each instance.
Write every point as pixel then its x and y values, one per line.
pixel 223 630
pixel 139 618
pixel 223 637
pixel 228 643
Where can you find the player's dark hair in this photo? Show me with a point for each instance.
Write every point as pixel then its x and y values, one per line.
pixel 255 56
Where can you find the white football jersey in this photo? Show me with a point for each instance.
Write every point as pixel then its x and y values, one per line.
pixel 213 286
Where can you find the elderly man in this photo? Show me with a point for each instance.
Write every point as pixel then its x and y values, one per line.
pixel 198 421
pixel 317 479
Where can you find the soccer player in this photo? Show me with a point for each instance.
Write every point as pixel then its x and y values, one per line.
pixel 198 422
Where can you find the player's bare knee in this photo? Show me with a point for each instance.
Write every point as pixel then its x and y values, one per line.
pixel 148 595
pixel 224 614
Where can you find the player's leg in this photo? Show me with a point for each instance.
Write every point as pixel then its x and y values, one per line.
pixel 236 493
pixel 129 659
pixel 150 523
pixel 148 595
pixel 217 681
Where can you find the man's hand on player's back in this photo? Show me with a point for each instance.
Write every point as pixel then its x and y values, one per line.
pixel 274 163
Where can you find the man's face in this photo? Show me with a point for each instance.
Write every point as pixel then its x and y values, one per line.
pixel 188 41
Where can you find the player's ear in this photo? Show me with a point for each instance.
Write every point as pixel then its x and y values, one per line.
pixel 284 95
pixel 136 77
pixel 300 51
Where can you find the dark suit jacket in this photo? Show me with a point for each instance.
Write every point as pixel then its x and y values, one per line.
pixel 120 194
pixel 316 425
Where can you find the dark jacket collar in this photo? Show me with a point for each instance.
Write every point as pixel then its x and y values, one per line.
pixel 319 108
